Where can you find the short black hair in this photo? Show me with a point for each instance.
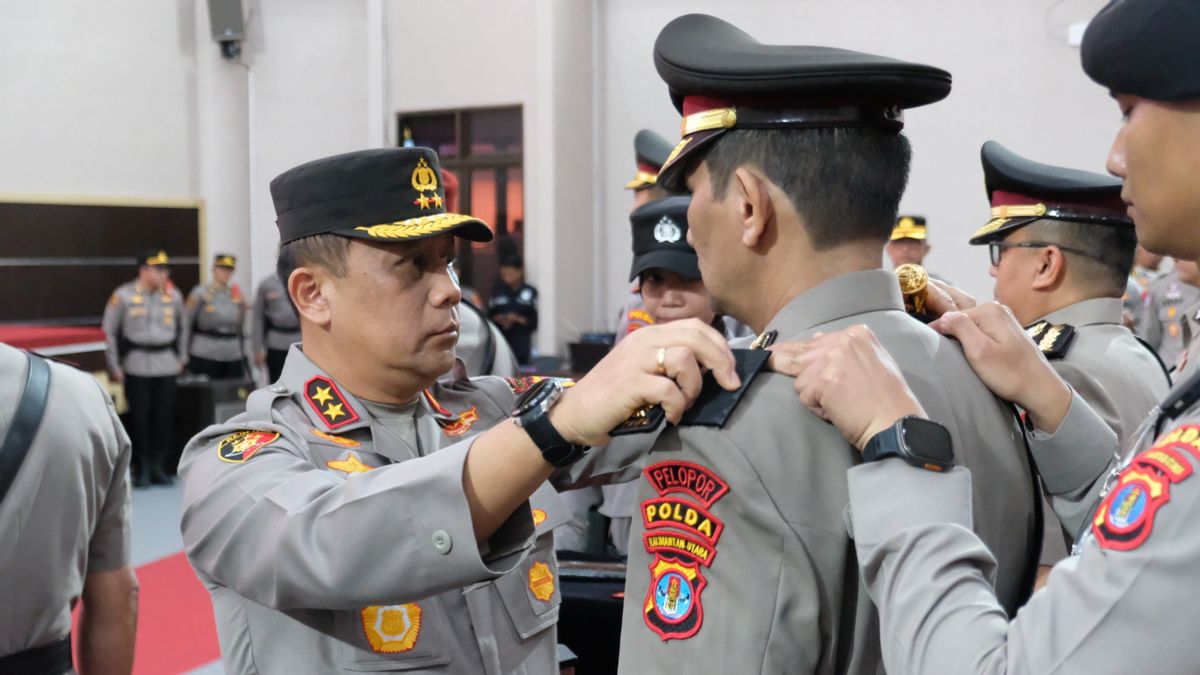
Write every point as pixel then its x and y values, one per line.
pixel 327 250
pixel 1111 249
pixel 845 182
pixel 513 261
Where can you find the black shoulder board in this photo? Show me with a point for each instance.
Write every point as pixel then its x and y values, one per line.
pixel 1055 340
pixel 1036 330
pixel 714 405
pixel 1182 398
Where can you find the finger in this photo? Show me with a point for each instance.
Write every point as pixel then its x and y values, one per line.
pixel 668 395
pixel 938 301
pixel 996 320
pixel 963 328
pixel 784 354
pixel 962 300
pixel 682 368
pixel 716 356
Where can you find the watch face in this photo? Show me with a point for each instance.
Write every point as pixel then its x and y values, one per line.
pixel 535 396
pixel 928 441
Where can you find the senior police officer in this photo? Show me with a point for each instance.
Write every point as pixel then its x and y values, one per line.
pixel 64 521
pixel 274 326
pixel 212 326
pixel 1128 598
pixel 144 349
pixel 364 514
pixel 796 164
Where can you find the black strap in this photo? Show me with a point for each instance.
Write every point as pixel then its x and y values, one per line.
pixel 215 334
pixel 25 421
pixel 1157 359
pixel 51 659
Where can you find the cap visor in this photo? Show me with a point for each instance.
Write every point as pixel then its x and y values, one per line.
pixel 997 228
pixel 412 229
pixel 682 263
pixel 673 174
pixel 908 235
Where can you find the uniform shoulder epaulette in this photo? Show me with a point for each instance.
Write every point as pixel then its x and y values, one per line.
pixel 715 404
pixel 1053 339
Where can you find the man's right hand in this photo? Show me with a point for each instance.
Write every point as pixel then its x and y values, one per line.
pixel 1008 361
pixel 627 379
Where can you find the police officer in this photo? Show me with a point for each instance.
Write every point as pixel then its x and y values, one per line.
pixel 739 562
pixel 1165 316
pixel 650 150
pixel 514 307
pixel 364 514
pixel 64 521
pixel 1145 270
pixel 1059 242
pixel 212 329
pixel 1128 598
pixel 909 243
pixel 144 349
pixel 273 326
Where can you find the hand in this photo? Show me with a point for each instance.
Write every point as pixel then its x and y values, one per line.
pixel 1008 361
pixel 626 379
pixel 941 297
pixel 179 367
pixel 849 379
pixel 260 359
pixel 117 375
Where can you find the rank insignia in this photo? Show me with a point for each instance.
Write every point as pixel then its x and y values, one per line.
pixel 329 403
pixel 392 629
pixel 520 385
pixel 672 607
pixel 242 445
pixel 541 581
pixel 452 424
pixel 1053 339
pixel 1126 516
pixel 352 464
pixel 539 517
pixel 336 440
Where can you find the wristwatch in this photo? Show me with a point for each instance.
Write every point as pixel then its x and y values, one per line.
pixel 531 414
pixel 920 442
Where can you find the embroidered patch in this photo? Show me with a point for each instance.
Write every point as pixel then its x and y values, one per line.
pixel 668 512
pixel 680 545
pixel 1126 516
pixel 541 581
pixel 1168 461
pixel 638 318
pixel 452 424
pixel 1186 437
pixel 336 440
pixel 539 517
pixel 392 629
pixel 672 607
pixel 328 402
pixel 352 464
pixel 242 445
pixel 520 385
pixel 687 478
pixel 1053 340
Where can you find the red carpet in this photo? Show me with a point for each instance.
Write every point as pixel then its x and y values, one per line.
pixel 176 632
pixel 36 337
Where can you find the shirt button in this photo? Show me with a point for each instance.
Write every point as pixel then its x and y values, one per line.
pixel 442 542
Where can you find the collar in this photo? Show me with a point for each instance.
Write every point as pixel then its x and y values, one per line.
pixel 837 298
pixel 1087 313
pixel 328 405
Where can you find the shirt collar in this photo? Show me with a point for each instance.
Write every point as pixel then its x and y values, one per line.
pixel 843 296
pixel 1088 313
pixel 328 405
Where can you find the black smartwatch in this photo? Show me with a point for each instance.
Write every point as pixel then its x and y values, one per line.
pixel 531 414
pixel 920 442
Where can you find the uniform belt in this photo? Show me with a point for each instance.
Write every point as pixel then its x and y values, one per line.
pixel 51 659
pixel 214 334
pixel 151 348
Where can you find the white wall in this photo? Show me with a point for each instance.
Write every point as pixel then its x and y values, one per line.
pixel 1015 81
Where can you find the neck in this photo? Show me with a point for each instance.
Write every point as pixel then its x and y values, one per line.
pixel 354 374
pixel 1053 302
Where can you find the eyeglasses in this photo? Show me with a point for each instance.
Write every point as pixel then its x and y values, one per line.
pixel 996 249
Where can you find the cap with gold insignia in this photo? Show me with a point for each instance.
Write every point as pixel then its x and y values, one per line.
pixel 1022 191
pixel 909 227
pixel 650 151
pixel 152 257
pixel 387 194
pixel 1146 48
pixel 720 78
pixel 224 260
pixel 660 238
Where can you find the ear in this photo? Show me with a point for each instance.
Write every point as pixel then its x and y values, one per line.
pixel 1051 269
pixel 307 287
pixel 752 199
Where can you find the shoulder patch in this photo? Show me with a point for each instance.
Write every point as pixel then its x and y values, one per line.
pixel 114 299
pixel 1053 339
pixel 329 403
pixel 714 405
pixel 1126 516
pixel 242 445
pixel 452 424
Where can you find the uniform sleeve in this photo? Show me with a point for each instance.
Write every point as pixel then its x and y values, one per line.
pixel 531 310
pixel 927 573
pixel 188 323
pixel 108 548
pixel 185 325
pixel 286 534
pixel 619 461
pixel 258 321
pixel 1093 393
pixel 111 324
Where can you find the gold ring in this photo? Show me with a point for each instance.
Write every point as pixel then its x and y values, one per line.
pixel 660 363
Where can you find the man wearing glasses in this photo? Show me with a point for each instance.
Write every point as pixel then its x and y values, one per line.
pixel 1061 246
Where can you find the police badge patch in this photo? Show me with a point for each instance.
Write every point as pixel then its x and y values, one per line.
pixel 672 606
pixel 1126 516
pixel 242 445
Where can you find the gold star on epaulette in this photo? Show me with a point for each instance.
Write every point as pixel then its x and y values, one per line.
pixel 322 396
pixel 334 411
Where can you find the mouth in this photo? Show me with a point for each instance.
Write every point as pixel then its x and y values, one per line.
pixel 448 330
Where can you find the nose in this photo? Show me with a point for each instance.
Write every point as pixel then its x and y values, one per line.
pixel 445 291
pixel 992 271
pixel 1116 155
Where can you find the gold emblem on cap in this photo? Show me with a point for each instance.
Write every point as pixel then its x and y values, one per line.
pixel 1019 211
pixel 415 227
pixel 914 284
pixel 424 179
pixel 717 118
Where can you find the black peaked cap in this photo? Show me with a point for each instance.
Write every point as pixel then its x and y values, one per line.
pixel 660 238
pixel 1148 48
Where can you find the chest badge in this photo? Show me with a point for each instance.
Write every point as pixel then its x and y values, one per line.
pixel 328 402
pixel 392 629
pixel 541 581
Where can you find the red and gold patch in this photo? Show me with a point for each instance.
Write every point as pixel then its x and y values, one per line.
pixel 680 545
pixel 336 440
pixel 392 629
pixel 672 608
pixel 687 478
pixel 452 424
pixel 541 581
pixel 520 385
pixel 242 445
pixel 638 318
pixel 329 403
pixel 1125 517
pixel 539 517
pixel 678 513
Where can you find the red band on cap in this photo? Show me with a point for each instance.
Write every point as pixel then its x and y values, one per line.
pixel 646 167
pixel 698 104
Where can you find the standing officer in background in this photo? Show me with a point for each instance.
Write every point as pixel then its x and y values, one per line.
pixel 1165 316
pixel 274 326
pixel 1060 243
pixel 1127 601
pixel 1145 270
pixel 909 243
pixel 212 329
pixel 64 522
pixel 368 513
pixel 144 349
pixel 739 560
pixel 514 307
pixel 650 151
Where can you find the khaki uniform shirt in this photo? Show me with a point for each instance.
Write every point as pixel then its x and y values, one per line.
pixel 273 322
pixel 332 541
pixel 135 320
pixel 1123 604
pixel 1166 305
pixel 67 512
pixel 213 322
pixel 739 559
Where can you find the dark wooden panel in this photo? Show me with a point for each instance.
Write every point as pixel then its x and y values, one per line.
pixel 48 294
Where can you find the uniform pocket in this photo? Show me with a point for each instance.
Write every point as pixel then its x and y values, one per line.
pixel 531 594
pixel 394 638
